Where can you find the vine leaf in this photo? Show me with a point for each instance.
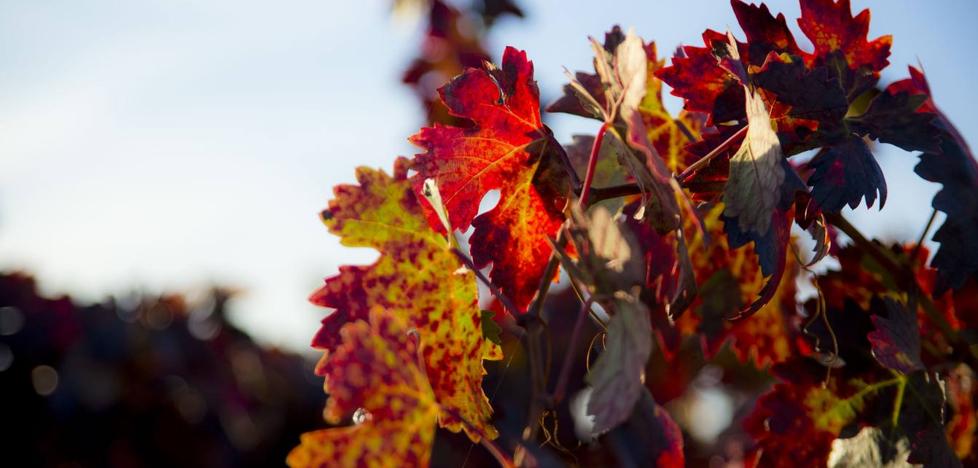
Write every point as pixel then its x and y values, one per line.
pixel 608 262
pixel 650 437
pixel 789 413
pixel 764 32
pixel 696 76
pixel 756 172
pixel 896 338
pixel 844 174
pixel 805 406
pixel 830 26
pixel 892 118
pixel 415 267
pixel 728 279
pixel 758 199
pixel 872 446
pixel 953 165
pixel 505 149
pixel 616 376
pixel 373 369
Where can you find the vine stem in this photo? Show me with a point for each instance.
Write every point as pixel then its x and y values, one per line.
pixel 534 323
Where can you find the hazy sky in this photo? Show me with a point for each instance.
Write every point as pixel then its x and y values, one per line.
pixel 169 144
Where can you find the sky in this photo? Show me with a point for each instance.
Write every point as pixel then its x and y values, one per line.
pixel 151 145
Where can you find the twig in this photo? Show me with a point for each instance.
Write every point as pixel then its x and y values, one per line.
pixel 691 170
pixel 923 236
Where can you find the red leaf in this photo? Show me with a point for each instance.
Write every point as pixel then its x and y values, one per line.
pixel 831 27
pixel 696 76
pixel 765 33
pixel 495 153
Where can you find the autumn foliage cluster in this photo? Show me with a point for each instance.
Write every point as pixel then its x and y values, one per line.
pixel 715 232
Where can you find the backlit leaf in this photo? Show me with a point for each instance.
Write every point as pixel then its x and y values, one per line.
pixel 896 339
pixel 830 26
pixel 418 277
pixel 503 150
pixel 845 174
pixel 373 369
pixel 756 172
pixel 617 374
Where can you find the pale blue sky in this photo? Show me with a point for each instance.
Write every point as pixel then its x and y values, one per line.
pixel 166 144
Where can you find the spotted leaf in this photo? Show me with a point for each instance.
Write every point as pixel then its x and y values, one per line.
pixel 374 370
pixel 417 276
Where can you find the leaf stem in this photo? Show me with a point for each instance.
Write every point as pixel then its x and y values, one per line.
pixel 623 190
pixel 696 166
pixel 923 236
pixel 592 164
pixel 497 453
